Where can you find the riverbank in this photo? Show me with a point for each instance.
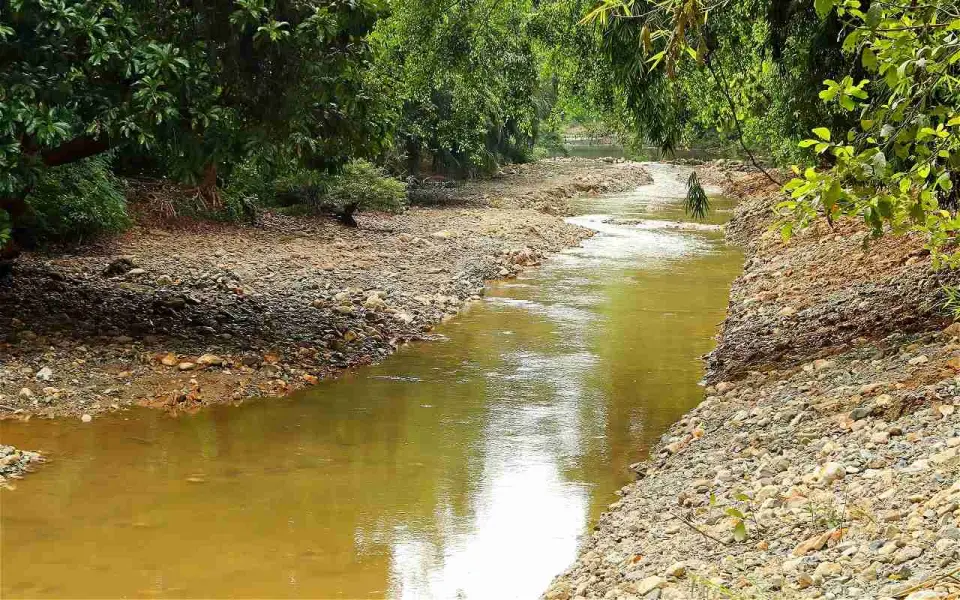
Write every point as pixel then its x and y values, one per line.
pixel 180 317
pixel 825 459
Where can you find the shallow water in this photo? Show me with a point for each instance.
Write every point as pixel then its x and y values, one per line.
pixel 467 467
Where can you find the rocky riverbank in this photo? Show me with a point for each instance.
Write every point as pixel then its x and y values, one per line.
pixel 824 461
pixel 178 317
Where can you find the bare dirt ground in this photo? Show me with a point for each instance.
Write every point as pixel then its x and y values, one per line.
pixel 181 316
pixel 824 461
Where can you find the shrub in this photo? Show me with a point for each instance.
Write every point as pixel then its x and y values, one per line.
pixel 303 187
pixel 540 153
pixel 367 187
pixel 5 228
pixel 269 181
pixel 359 186
pixel 76 201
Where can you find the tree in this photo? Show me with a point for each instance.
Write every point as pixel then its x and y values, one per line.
pixel 464 78
pixel 899 167
pixel 886 145
pixel 731 78
pixel 199 84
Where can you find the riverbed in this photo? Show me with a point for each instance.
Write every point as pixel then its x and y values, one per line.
pixel 469 466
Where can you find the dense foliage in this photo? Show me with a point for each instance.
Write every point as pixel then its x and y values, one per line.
pixel 738 79
pixel 898 167
pixel 464 75
pixel 359 186
pixel 76 201
pixel 197 85
pixel 885 145
pixel 200 82
pixel 240 97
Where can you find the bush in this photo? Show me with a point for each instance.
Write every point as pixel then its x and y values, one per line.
pixel 367 187
pixel 76 201
pixel 6 227
pixel 360 186
pixel 264 180
pixel 540 153
pixel 550 142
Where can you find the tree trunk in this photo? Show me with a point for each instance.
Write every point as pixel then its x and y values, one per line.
pixel 74 150
pixel 413 158
pixel 208 186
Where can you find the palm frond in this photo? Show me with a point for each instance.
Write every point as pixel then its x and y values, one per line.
pixel 697 203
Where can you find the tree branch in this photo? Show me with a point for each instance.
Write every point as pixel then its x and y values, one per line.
pixel 722 84
pixel 74 150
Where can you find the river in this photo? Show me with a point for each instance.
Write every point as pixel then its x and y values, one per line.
pixel 465 467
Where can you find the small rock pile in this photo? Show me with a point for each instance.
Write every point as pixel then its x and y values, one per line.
pixel 14 463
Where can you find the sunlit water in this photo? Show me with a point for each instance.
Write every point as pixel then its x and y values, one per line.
pixel 468 467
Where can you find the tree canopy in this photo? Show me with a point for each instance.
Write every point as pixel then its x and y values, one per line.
pixel 863 95
pixel 196 83
pixel 236 94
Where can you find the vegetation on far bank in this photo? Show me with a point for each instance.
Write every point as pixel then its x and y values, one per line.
pixel 254 103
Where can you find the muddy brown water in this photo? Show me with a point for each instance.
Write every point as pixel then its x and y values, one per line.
pixel 467 467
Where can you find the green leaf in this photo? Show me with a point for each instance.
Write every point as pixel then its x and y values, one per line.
pixel 917 213
pixel 786 231
pixel 831 195
pixel 823 7
pixel 823 133
pixel 879 163
pixel 869 59
pixel 944 181
pixel 851 41
pixel 885 207
pixel 740 532
pixel 734 513
pixel 874 15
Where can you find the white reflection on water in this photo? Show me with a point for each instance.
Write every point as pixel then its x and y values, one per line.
pixel 528 514
pixel 493 556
